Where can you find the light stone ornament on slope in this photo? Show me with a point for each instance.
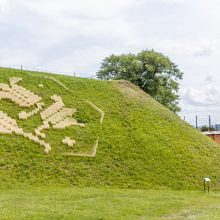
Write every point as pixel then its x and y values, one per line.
pixel 68 141
pixel 9 126
pixel 20 96
pixel 95 146
pixel 56 115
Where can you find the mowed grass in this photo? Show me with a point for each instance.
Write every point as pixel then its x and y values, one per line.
pixel 142 144
pixel 92 203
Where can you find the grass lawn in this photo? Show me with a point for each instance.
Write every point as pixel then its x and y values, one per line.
pixel 93 203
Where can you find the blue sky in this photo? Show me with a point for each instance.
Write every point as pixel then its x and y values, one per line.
pixel 74 36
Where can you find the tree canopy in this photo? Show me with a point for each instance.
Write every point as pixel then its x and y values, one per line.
pixel 153 72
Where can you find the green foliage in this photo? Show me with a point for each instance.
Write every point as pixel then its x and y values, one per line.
pixel 151 71
pixel 107 204
pixel 141 143
pixel 206 128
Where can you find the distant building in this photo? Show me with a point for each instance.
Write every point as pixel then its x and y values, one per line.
pixel 217 127
pixel 214 135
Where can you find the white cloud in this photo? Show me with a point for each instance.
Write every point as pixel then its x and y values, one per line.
pixel 206 48
pixel 201 102
pixel 16 58
pixel 3 4
pixel 209 78
pixel 173 1
pixel 209 95
pixel 61 34
pixel 83 9
pixel 203 52
pixel 80 62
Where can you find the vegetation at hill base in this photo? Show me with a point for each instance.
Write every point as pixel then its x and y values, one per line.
pixel 141 143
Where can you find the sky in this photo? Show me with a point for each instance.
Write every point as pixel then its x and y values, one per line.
pixel 72 36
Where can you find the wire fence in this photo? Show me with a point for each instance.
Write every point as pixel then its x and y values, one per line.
pixel 35 69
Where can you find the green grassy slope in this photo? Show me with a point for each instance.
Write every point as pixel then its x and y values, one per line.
pixel 141 143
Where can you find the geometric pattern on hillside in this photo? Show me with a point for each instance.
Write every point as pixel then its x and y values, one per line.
pixel 20 96
pixel 9 126
pixel 56 116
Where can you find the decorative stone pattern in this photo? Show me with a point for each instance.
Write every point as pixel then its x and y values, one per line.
pixel 9 126
pixel 20 96
pixel 89 154
pixel 25 115
pixel 68 141
pixel 98 110
pixel 57 116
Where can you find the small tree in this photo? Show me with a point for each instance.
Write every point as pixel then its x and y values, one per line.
pixel 206 128
pixel 153 72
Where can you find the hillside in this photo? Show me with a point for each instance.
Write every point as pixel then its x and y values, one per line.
pixel 64 131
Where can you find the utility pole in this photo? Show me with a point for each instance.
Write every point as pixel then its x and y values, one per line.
pixel 210 125
pixel 196 122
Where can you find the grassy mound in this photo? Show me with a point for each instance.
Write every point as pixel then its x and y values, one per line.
pixel 140 144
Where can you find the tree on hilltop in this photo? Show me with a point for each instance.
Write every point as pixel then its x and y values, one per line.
pixel 153 72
